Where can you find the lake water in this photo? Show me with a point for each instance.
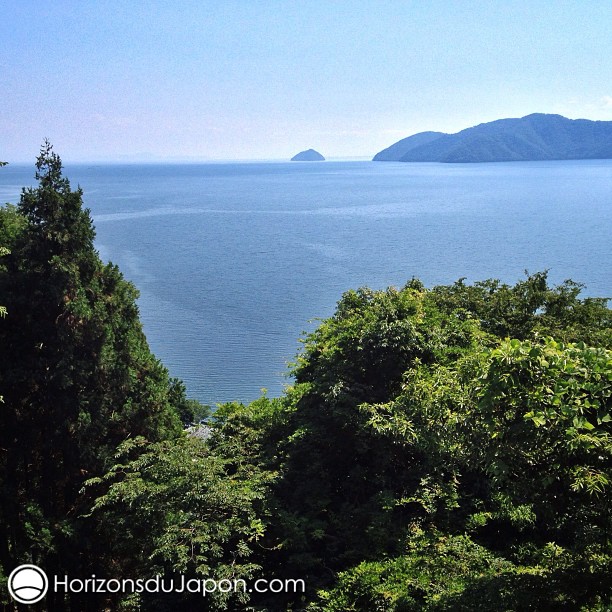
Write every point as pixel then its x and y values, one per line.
pixel 235 261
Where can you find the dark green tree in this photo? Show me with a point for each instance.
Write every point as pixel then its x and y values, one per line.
pixel 76 373
pixel 340 476
pixel 3 251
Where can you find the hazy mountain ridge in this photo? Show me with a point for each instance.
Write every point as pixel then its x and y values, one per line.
pixel 531 138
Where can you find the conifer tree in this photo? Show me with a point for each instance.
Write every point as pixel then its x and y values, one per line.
pixel 77 377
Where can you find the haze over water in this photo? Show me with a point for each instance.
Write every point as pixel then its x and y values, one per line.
pixel 234 260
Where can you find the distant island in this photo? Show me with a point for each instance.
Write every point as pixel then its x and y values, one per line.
pixel 531 138
pixel 308 155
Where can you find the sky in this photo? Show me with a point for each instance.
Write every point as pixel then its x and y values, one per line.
pixel 183 80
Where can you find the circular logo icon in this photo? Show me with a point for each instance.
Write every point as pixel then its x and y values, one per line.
pixel 28 584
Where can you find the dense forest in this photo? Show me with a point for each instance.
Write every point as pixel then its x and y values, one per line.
pixel 445 448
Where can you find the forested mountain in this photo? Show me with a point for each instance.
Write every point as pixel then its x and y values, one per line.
pixel 531 138
pixel 440 449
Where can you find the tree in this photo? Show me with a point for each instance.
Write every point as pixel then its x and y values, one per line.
pixel 3 251
pixel 77 377
pixel 527 435
pixel 176 507
pixel 544 445
pixel 340 475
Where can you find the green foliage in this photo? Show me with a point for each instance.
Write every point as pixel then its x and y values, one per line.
pixel 455 574
pixel 341 465
pixel 543 439
pixel 250 435
pixel 77 376
pixel 411 410
pixel 434 569
pixel 531 308
pixel 175 507
pixel 549 396
pixel 12 224
pixel 3 312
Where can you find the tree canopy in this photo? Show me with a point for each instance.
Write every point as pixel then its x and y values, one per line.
pixel 447 449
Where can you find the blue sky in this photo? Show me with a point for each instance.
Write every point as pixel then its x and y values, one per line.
pixel 255 79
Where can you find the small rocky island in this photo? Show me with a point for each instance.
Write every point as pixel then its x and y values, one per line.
pixel 309 155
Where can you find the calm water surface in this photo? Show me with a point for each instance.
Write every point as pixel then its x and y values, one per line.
pixel 235 261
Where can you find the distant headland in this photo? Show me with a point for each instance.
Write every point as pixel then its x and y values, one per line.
pixel 531 138
pixel 308 155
